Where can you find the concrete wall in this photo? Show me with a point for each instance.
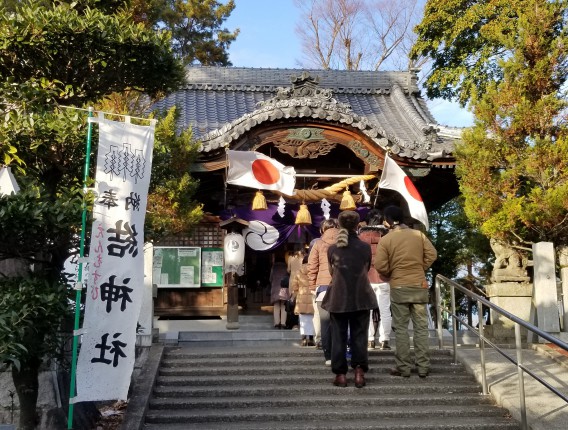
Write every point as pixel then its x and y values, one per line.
pixel 47 400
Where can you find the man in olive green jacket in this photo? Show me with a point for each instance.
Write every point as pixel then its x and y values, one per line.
pixel 404 255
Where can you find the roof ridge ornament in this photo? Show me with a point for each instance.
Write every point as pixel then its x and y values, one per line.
pixel 305 91
pixel 306 85
pixel 305 76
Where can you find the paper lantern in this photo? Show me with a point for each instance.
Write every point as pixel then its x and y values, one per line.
pixel 234 252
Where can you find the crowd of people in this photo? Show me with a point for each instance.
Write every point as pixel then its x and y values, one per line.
pixel 356 282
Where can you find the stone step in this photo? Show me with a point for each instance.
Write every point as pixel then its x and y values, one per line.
pixel 240 366
pixel 285 388
pixel 262 329
pixel 281 355
pixel 323 413
pixel 251 338
pixel 318 368
pixel 292 378
pixel 254 330
pixel 408 386
pixel 370 399
pixel 408 423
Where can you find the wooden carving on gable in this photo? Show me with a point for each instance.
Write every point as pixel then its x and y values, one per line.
pixel 306 142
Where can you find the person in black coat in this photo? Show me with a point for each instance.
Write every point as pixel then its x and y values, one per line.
pixel 349 300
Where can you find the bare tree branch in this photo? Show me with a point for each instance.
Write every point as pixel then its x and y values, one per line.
pixel 358 34
pixel 329 32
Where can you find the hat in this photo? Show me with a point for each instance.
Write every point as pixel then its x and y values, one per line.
pixel 349 220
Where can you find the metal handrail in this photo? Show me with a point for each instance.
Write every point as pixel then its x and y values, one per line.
pixel 482 301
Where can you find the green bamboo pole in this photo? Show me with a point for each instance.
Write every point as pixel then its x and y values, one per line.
pixel 79 286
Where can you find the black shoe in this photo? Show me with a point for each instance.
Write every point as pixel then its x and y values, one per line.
pixel 311 341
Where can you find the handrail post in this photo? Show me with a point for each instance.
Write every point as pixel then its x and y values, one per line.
pixel 520 373
pixel 481 327
pixel 439 313
pixel 441 282
pixel 454 324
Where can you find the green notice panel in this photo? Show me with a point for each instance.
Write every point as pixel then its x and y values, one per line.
pixel 177 267
pixel 211 267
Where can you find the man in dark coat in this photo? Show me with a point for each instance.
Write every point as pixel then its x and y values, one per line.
pixel 349 300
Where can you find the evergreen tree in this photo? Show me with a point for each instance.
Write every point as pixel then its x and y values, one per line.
pixel 464 254
pixel 507 61
pixel 171 208
pixel 195 25
pixel 55 54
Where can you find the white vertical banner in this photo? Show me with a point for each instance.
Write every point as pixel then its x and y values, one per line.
pixel 115 281
pixel 8 183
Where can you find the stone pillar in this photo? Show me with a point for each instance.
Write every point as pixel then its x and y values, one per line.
pixel 545 294
pixel 12 267
pixel 146 318
pixel 563 261
pixel 515 298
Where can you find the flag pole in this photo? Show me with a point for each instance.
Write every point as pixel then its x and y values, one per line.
pixel 79 284
pixel 381 177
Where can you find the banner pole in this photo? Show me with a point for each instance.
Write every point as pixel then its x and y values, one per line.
pixel 79 285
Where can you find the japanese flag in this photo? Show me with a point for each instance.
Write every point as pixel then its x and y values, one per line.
pixel 394 178
pixel 256 170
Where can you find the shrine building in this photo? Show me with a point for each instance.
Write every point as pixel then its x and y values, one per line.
pixel 334 127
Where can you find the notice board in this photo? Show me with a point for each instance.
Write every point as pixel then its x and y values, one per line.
pixel 177 267
pixel 211 267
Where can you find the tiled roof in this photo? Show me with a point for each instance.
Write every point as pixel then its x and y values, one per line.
pixel 222 103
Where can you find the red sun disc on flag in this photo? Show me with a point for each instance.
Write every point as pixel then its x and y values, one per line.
pixel 412 189
pixel 265 172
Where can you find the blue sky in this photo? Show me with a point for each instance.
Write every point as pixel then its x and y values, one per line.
pixel 268 39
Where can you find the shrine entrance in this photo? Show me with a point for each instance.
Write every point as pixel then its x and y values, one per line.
pixel 334 128
pixel 255 285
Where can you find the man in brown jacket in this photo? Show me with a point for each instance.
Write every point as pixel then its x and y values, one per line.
pixel 404 255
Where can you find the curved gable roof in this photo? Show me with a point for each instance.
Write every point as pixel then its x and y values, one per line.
pixel 223 103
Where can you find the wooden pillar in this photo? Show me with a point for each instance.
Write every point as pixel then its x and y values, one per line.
pixel 232 301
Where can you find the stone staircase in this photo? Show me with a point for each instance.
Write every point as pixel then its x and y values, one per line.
pixel 254 331
pixel 256 386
